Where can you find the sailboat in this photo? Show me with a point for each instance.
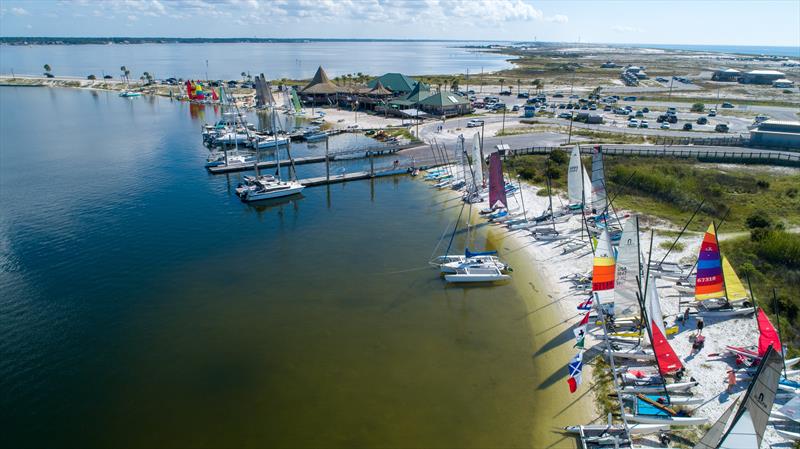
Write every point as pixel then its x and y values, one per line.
pixel 718 287
pixel 746 427
pixel 269 187
pixel 599 202
pixel 473 194
pixel 578 183
pixel 497 193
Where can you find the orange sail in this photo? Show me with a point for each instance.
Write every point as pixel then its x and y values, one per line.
pixel 604 268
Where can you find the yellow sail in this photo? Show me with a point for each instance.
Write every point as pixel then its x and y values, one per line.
pixel 734 289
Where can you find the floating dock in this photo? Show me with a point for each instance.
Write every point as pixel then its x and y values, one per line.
pixel 355 176
pixel 364 153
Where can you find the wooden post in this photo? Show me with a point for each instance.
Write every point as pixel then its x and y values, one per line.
pixel 371 165
pixel 327 163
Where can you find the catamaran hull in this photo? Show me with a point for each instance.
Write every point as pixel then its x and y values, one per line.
pixel 711 313
pixel 252 196
pixel 671 421
pixel 475 278
pixel 791 436
pixel 635 429
pixel 656 389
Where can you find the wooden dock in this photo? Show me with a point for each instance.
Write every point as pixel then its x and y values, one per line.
pixel 364 153
pixel 355 176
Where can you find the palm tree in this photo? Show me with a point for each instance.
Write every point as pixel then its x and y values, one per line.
pixel 454 85
pixel 244 76
pixel 47 68
pixel 519 81
pixel 501 81
pixel 124 71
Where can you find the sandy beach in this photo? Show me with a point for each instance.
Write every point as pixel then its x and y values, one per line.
pixel 552 315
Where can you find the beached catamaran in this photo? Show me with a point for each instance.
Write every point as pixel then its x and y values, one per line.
pixel 747 426
pixel 718 289
pixel 578 184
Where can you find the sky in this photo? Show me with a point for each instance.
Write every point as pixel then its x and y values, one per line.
pixel 775 23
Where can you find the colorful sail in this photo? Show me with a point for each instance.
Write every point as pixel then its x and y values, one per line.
pixel 189 90
pixel 734 289
pixel 477 164
pixel 629 268
pixel 295 100
pixel 575 177
pixel 497 192
pixel 574 368
pixel 668 361
pixel 604 269
pixel 710 283
pixel 767 336
pixel 598 181
pixel 750 421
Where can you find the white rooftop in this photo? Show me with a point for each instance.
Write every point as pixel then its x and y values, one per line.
pixel 765 72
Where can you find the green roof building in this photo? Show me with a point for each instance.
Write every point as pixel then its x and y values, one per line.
pixel 445 104
pixel 396 82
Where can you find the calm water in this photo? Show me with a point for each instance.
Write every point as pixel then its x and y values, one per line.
pixel 792 52
pixel 141 304
pixel 228 61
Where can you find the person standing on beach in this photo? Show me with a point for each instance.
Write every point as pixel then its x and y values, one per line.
pixel 731 381
pixel 700 325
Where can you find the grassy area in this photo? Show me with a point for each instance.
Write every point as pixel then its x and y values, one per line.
pixel 400 133
pixel 516 130
pixel 609 137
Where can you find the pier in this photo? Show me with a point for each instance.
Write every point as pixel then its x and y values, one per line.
pixel 339 155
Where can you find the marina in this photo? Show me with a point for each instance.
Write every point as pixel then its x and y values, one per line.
pixel 398 242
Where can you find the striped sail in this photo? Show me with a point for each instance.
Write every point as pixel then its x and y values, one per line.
pixel 628 269
pixel 604 269
pixel 734 289
pixel 598 181
pixel 710 283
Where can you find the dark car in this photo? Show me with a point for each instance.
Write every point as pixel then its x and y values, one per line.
pixel 108 77
pixel 558 95
pixel 687 126
pixel 702 121
pixel 49 75
pixel 523 95
pixel 727 105
pixel 721 128
pixel 645 110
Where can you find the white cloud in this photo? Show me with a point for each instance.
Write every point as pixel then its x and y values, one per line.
pixel 558 18
pixel 19 11
pixel 132 18
pixel 627 29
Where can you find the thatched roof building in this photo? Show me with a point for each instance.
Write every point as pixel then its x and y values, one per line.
pixel 320 85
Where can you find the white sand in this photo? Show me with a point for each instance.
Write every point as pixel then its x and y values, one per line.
pixel 548 260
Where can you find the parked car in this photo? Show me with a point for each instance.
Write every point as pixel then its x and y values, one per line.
pixel 565 115
pixel 515 108
pixel 558 95
pixel 523 95
pixel 727 105
pixel 702 121
pixel 505 92
pixel 721 128
pixel 607 108
pixel 633 123
pixel 712 113
pixel 629 108
pixel 687 126
pixel 629 99
pixel 639 114
pixel 644 124
pixel 664 125
pixel 645 110
pixel 475 122
pixel 593 107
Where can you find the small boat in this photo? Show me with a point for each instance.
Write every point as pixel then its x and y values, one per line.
pixel 266 142
pixel 672 400
pixel 791 436
pixel 474 262
pixel 314 136
pixel 649 411
pixel 634 429
pixel 129 93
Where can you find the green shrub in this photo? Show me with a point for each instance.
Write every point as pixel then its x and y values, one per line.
pixel 698 107
pixel 758 219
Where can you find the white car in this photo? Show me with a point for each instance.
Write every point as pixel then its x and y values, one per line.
pixel 665 125
pixel 644 124
pixel 633 123
pixel 474 123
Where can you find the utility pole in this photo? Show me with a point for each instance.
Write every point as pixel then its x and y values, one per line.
pixel 504 121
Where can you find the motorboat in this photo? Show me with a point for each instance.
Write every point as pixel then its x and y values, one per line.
pixel 478 274
pixel 265 188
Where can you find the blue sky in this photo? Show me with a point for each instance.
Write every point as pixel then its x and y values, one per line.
pixel 644 21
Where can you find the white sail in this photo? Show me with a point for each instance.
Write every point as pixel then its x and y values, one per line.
pixel 751 419
pixel 477 164
pixel 575 177
pixel 628 269
pixel 587 188
pixel 598 182
pixel 652 305
pixel 792 409
pixel 712 437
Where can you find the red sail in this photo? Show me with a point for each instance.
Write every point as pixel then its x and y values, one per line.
pixel 767 335
pixel 497 191
pixel 189 90
pixel 668 361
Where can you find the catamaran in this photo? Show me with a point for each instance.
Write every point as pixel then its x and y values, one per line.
pixel 578 183
pixel 745 428
pixel 718 290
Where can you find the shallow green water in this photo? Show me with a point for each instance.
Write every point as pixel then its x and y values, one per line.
pixel 141 304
